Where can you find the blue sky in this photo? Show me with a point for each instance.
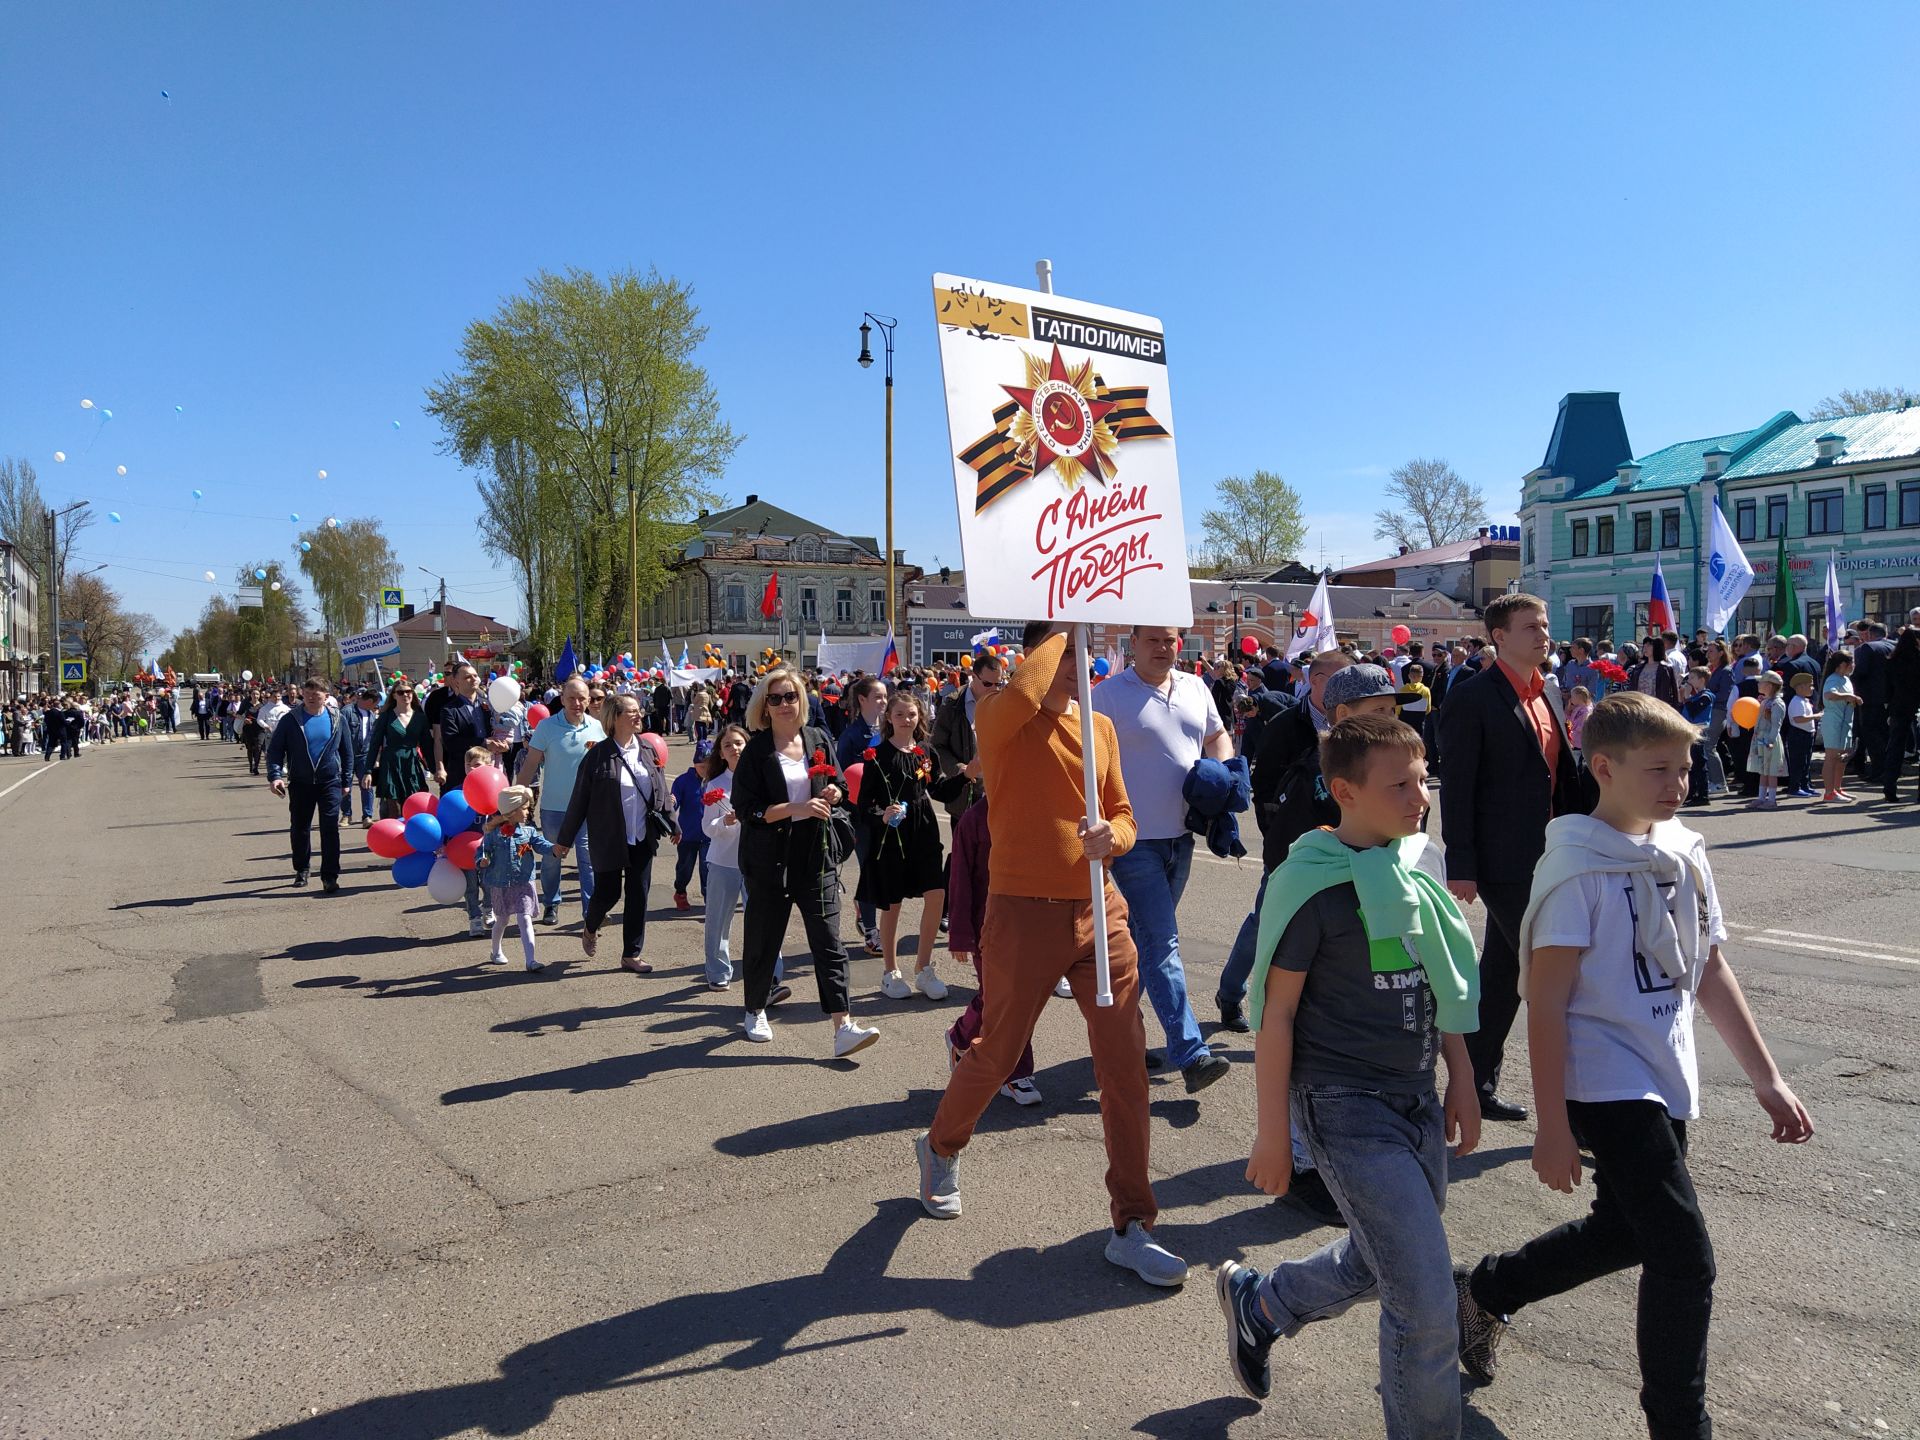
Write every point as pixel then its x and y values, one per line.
pixel 1373 232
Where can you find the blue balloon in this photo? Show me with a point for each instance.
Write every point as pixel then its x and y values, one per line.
pixel 1101 667
pixel 114 515
pixel 197 494
pixel 304 547
pixel 423 833
pixel 106 414
pixel 294 517
pixel 455 815
pixel 178 409
pixel 396 424
pixel 259 574
pixel 410 871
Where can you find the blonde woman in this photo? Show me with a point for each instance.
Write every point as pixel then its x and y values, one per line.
pixel 789 797
pixel 907 861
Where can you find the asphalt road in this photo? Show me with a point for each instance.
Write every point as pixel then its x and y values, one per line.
pixel 281 1164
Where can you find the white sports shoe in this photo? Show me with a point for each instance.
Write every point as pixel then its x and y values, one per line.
pixel 757 1027
pixel 930 984
pixel 1063 988
pixel 499 957
pixel 894 986
pixel 477 926
pixel 851 1037
pixel 1022 1092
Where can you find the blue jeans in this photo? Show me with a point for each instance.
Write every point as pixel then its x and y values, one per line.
pixel 722 889
pixel 550 821
pixel 692 851
pixel 473 894
pixel 1152 877
pixel 1384 1157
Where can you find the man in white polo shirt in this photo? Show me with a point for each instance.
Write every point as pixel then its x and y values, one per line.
pixel 1163 720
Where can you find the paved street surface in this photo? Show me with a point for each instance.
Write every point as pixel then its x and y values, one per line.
pixel 276 1163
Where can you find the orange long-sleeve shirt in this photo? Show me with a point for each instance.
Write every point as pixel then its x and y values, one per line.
pixel 1030 759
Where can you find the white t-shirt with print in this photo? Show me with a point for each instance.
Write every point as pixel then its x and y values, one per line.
pixel 1629 1028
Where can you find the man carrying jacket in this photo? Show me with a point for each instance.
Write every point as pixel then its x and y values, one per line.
pixel 308 761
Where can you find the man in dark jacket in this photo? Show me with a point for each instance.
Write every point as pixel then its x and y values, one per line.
pixel 953 740
pixel 1903 704
pixel 1510 769
pixel 1870 679
pixel 308 760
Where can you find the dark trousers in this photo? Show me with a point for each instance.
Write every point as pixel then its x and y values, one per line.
pixel 1748 782
pixel 637 869
pixel 772 896
pixel 69 742
pixel 1799 745
pixel 692 852
pixel 303 799
pixel 1869 740
pixel 205 722
pixel 1506 902
pixel 253 754
pixel 1644 1213
pixel 1697 780
pixel 1899 736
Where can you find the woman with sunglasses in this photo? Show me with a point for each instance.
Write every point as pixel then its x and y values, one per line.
pixel 790 798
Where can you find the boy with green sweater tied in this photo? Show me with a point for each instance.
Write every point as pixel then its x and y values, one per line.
pixel 1364 974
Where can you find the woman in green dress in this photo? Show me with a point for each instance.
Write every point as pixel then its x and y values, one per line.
pixel 394 761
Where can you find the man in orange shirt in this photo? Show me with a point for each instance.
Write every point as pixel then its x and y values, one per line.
pixel 1509 770
pixel 1039 928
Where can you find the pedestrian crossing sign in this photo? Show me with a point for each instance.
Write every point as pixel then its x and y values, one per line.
pixel 392 597
pixel 73 672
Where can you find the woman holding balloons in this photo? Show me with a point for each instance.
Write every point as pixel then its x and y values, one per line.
pixel 396 765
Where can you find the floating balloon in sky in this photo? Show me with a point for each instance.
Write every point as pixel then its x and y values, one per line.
pixel 166 97
pixel 59 457
pixel 396 424
pixel 276 584
pixel 196 494
pixel 294 516
pixel 119 469
pixel 106 414
pixel 86 404
pixel 323 474
pixel 332 524
pixel 259 574
pixel 114 515
pixel 305 547
pixel 179 409
pixel 209 574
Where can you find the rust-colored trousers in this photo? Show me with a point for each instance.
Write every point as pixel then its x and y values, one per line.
pixel 1025 946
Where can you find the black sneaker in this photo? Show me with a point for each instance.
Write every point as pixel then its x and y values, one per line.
pixel 1492 1107
pixel 299 879
pixel 1203 1072
pixel 1233 1018
pixel 778 993
pixel 1249 1337
pixel 330 887
pixel 1155 1060
pixel 1480 1330
pixel 1309 1192
pixel 550 915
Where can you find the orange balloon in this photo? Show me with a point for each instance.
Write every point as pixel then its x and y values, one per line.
pixel 1745 712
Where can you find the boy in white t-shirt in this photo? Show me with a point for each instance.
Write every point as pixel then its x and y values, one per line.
pixel 1622 934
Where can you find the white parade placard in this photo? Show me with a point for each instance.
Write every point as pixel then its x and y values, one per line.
pixel 370 645
pixel 1062 435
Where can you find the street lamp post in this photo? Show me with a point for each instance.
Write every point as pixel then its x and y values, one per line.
pixel 53 577
pixel 886 324
pixel 1233 594
pixel 633 550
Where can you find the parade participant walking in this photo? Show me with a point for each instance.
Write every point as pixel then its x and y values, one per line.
pixel 307 761
pixel 458 726
pixel 1622 936
pixel 509 851
pixel 395 763
pixel 720 892
pixel 1164 720
pixel 700 713
pixel 1352 1011
pixel 554 752
pixel 691 853
pixel 1837 735
pixel 967 900
pixel 361 718
pixel 953 741
pixel 908 861
pixel 867 700
pixel 202 713
pixel 620 797
pixel 1510 769
pixel 1039 927
pixel 788 793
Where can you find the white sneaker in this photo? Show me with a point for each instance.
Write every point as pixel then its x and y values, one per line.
pixel 851 1037
pixel 477 926
pixel 489 917
pixel 894 986
pixel 533 965
pixel 1136 1250
pixel 930 984
pixel 756 1026
pixel 499 957
pixel 1021 1092
pixel 1063 989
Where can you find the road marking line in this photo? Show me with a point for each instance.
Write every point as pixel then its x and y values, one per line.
pixel 1798 935
pixel 18 783
pixel 1770 939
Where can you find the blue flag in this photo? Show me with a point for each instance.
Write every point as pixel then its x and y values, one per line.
pixel 566 664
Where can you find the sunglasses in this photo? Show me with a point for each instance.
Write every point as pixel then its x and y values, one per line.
pixel 785 697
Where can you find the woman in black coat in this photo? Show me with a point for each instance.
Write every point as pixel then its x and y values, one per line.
pixel 790 798
pixel 620 794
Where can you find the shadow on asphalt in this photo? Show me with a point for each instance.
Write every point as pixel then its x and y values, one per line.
pixel 460 980
pixel 757 1325
pixel 350 947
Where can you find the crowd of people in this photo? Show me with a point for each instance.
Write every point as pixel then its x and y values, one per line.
pixel 60 725
pixel 1562 769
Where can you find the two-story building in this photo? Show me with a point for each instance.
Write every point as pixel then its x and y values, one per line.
pixel 1472 571
pixel 1594 517
pixel 19 624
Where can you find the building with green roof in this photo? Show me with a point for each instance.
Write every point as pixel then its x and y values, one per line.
pixel 1594 517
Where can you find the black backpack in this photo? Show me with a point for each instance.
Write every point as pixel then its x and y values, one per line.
pixel 1300 803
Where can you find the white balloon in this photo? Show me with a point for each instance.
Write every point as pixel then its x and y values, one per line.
pixel 446 881
pixel 119 469
pixel 246 674
pixel 323 474
pixel 86 404
pixel 59 457
pixel 332 524
pixel 209 574
pixel 276 584
pixel 504 693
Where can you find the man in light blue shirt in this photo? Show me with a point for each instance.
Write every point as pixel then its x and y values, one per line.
pixel 1164 720
pixel 559 743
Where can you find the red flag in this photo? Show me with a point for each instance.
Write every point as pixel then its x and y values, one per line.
pixel 770 602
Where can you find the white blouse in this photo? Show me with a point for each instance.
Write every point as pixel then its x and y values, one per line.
pixel 634 796
pixel 799 785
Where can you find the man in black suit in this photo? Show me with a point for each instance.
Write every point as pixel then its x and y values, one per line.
pixel 952 740
pixel 1870 679
pixel 1510 769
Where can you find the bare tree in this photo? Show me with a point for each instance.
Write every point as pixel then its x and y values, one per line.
pixel 1435 506
pixel 23 520
pixel 1863 401
pixel 1259 521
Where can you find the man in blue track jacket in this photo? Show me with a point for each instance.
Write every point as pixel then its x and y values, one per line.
pixel 309 758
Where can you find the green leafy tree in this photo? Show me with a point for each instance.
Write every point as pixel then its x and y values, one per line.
pixel 347 564
pixel 1259 521
pixel 263 636
pixel 1434 506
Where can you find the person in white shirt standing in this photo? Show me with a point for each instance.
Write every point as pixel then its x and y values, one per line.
pixel 1164 720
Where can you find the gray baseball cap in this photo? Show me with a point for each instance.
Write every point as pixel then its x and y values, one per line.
pixel 1360 682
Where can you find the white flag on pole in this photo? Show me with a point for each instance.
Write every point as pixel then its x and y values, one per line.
pixel 1314 633
pixel 1836 606
pixel 1729 574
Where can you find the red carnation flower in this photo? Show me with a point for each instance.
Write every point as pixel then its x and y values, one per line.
pixel 713 797
pixel 869 753
pixel 819 757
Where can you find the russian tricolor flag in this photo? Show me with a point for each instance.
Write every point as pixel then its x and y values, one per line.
pixel 890 661
pixel 1659 608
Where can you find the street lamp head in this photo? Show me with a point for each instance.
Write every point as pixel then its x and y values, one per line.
pixel 866 351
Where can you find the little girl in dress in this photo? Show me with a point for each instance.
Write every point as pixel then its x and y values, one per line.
pixel 509 859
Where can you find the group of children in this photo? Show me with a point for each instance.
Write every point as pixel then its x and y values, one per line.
pixel 1367 975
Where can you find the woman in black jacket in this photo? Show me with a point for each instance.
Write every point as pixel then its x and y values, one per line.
pixel 790 798
pixel 1903 704
pixel 620 794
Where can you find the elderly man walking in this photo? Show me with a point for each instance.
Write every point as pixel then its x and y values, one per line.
pixel 1164 720
pixel 558 745
pixel 308 760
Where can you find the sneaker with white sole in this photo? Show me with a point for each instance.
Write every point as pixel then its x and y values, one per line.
pixel 1480 1330
pixel 476 926
pixel 849 1038
pixel 1250 1335
pixel 1135 1249
pixel 1022 1092
pixel 939 1181
pixel 499 957
pixel 930 984
pixel 954 1053
pixel 757 1027
pixel 894 986
pixel 1063 988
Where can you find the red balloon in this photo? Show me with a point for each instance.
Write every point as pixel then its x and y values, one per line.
pixel 464 849
pixel 537 713
pixel 1401 634
pixel 1249 645
pixel 388 838
pixel 853 773
pixel 419 803
pixel 657 744
pixel 483 787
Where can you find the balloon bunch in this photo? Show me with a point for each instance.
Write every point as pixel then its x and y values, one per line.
pixel 437 839
pixel 711 657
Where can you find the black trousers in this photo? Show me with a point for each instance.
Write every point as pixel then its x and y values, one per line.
pixel 636 868
pixel 1697 778
pixel 1644 1213
pixel 772 896
pixel 1506 903
pixel 205 722
pixel 1869 740
pixel 1899 736
pixel 303 800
